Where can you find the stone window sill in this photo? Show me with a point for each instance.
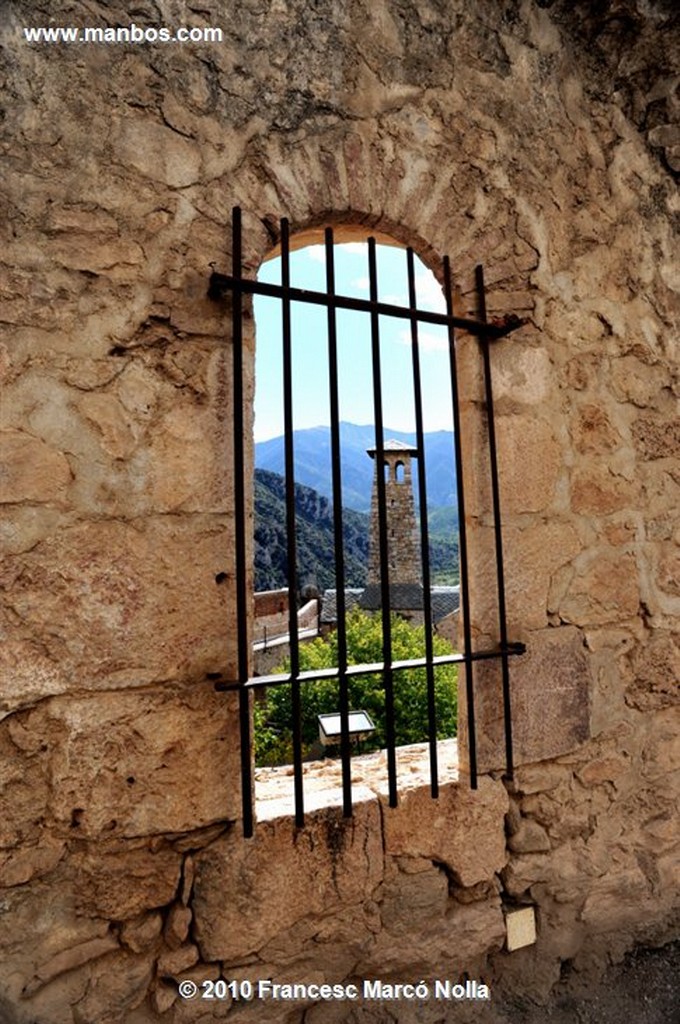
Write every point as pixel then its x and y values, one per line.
pixel 323 779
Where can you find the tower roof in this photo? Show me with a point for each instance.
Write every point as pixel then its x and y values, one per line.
pixel 393 447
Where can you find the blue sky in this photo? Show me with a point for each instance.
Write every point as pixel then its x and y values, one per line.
pixel 310 345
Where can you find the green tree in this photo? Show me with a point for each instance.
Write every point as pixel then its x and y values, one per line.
pixel 273 715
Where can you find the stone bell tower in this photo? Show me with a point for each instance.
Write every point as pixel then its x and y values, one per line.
pixel 403 551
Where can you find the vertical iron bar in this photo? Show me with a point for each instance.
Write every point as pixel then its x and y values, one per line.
pixel 424 530
pixel 388 679
pixel 343 682
pixel 462 536
pixel 240 529
pixel 500 572
pixel 290 522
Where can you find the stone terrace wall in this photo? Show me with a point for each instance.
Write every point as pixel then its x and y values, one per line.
pixel 468 129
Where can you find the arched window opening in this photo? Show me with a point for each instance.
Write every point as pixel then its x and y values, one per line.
pixel 365 353
pixel 310 390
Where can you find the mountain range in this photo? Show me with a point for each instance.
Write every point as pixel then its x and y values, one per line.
pixel 312 450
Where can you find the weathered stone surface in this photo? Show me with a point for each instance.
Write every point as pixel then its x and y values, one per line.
pixel 118 886
pixel 20 866
pixel 31 470
pixel 592 431
pixel 281 877
pixel 108 417
pixel 597 490
pixel 420 826
pixel 449 935
pixel 531 558
pixel 177 924
pixel 97 595
pixel 29 675
pixel 530 837
pixel 527 441
pixel 120 983
pixel 550 686
pixel 70 958
pixel 158 152
pixel 655 671
pixel 657 438
pixel 141 933
pixel 25 789
pixel 604 589
pixel 174 963
pixel 163 997
pixel 118 765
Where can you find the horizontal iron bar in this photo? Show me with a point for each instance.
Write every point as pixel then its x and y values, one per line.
pixel 219 283
pixel 279 678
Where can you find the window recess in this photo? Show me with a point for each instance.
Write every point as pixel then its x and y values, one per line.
pixel 236 285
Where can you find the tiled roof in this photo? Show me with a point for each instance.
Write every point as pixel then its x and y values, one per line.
pixel 394 446
pixel 329 604
pixel 403 597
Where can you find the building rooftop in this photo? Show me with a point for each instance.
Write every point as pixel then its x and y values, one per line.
pixel 403 597
pixel 392 446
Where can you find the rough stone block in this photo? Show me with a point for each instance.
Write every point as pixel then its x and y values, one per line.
pixel 69 959
pixel 120 982
pixel 529 837
pixel 122 885
pixel 532 556
pixel 474 850
pixel 177 925
pixel 31 470
pixel 654 672
pixel 593 431
pixel 282 876
pixel 157 152
pixel 525 441
pixel 119 762
pixel 657 437
pixel 175 962
pixel 597 490
pixel 141 933
pixel 445 944
pixel 604 588
pixel 117 604
pixel 550 700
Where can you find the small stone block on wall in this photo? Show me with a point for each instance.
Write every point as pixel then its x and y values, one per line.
pixel 520 927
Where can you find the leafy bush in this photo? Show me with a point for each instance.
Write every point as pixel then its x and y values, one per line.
pixel 273 715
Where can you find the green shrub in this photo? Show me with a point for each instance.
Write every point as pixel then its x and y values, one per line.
pixel 273 715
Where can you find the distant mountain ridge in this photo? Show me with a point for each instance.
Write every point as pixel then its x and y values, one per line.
pixel 312 449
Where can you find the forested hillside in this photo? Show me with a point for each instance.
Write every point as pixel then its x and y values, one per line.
pixel 315 539
pixel 314 536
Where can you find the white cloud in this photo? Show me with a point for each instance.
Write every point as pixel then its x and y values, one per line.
pixel 429 293
pixel 427 341
pixel 355 248
pixel 316 253
pixel 362 283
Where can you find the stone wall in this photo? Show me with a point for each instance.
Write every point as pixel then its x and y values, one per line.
pixel 475 130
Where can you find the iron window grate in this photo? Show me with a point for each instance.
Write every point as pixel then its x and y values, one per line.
pixel 486 332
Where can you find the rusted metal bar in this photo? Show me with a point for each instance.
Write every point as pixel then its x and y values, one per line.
pixel 498 533
pixel 424 533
